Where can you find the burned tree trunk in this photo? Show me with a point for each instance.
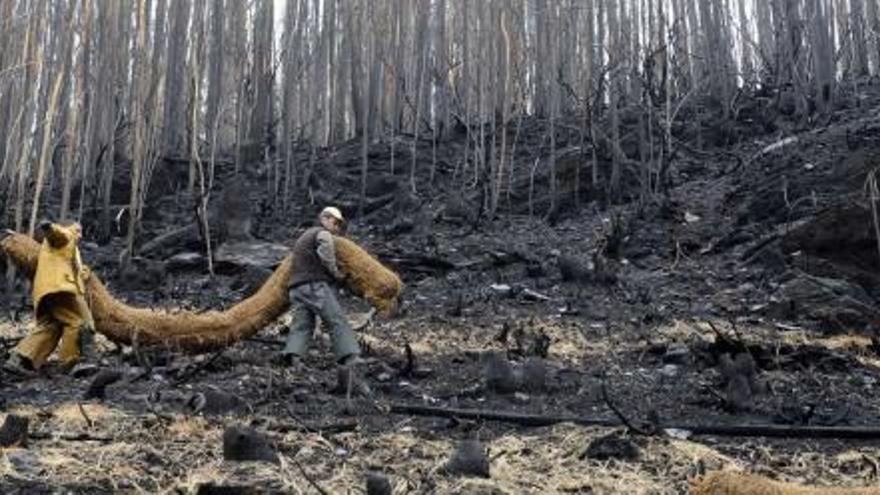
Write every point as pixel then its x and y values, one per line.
pixel 246 444
pixel 174 129
pixel 14 432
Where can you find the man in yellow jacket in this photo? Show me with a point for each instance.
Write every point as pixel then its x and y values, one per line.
pixel 61 312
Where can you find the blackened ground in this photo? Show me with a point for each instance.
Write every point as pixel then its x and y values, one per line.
pixel 726 262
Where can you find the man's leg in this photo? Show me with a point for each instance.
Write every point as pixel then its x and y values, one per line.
pixel 300 335
pixel 75 319
pixel 87 330
pixel 345 344
pixel 35 348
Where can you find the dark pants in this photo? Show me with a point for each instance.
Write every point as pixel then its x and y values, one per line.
pixel 318 299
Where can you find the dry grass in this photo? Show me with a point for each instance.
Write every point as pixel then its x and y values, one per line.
pixel 69 416
pixel 679 331
pixel 188 428
pixel 430 338
pixel 150 456
pixel 858 346
pixel 843 342
pixel 738 483
pixel 536 461
pixel 180 455
pixel 8 330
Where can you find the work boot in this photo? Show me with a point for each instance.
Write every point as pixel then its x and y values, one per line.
pixel 87 343
pixel 349 377
pixel 81 369
pixel 289 360
pixel 67 366
pixel 19 365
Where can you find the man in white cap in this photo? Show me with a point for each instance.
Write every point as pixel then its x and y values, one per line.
pixel 311 289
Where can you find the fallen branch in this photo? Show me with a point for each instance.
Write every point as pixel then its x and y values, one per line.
pixel 739 430
pixel 85 416
pixel 619 414
pixel 260 340
pixel 161 417
pixel 783 431
pixel 505 417
pixel 319 429
pixel 410 365
pixel 537 296
pixel 78 437
pixel 192 372
pixel 747 255
pixel 723 340
pixel 775 146
pixel 309 477
pixel 169 238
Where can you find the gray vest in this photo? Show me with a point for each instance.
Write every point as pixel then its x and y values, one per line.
pixel 307 266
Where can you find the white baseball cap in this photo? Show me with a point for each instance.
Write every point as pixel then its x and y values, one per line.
pixel 332 211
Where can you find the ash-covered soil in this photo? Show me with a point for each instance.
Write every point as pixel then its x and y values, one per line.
pixel 632 305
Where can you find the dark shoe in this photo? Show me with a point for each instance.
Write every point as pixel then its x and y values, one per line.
pixel 87 343
pixel 82 370
pixel 19 365
pixel 288 361
pixel 67 366
pixel 350 380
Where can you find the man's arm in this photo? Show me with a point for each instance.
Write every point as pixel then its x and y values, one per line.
pixel 327 253
pixel 81 269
